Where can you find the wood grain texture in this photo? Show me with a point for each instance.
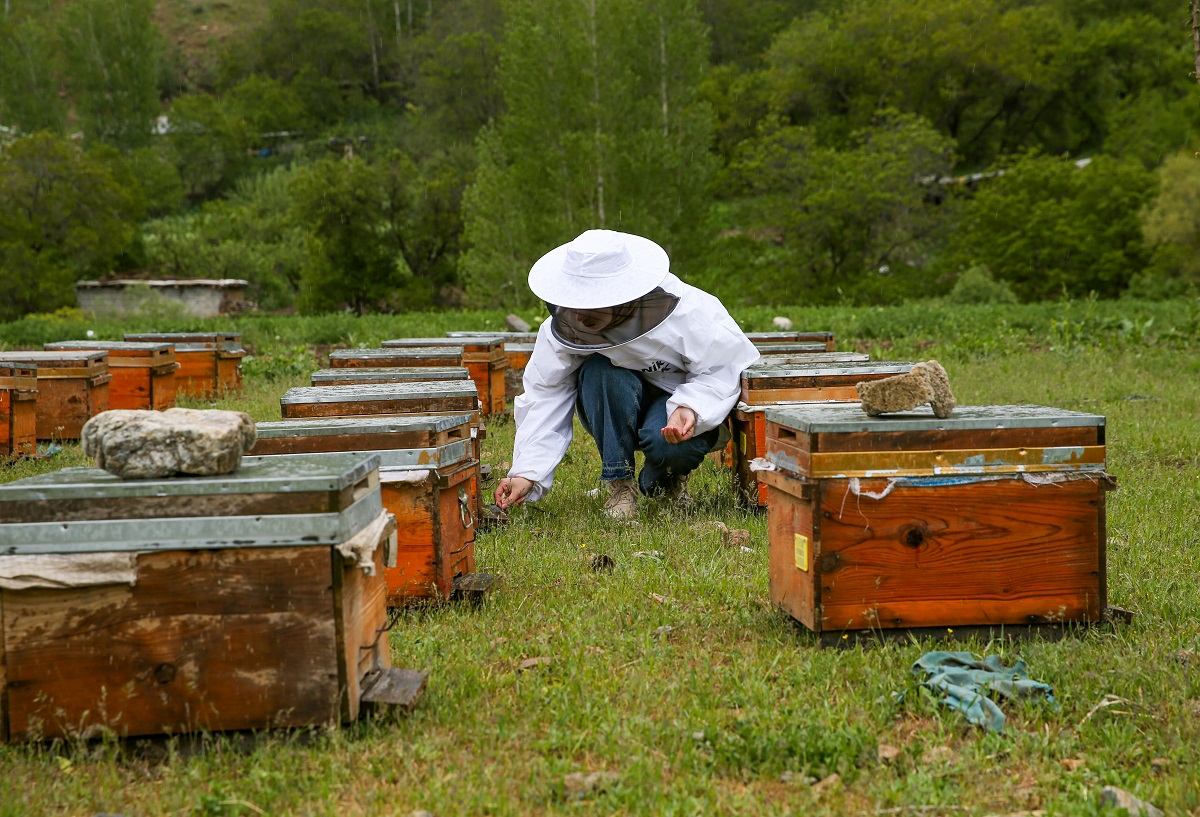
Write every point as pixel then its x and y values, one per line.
pixel 791 588
pixel 172 507
pixel 142 387
pixel 63 406
pixel 1049 437
pixel 987 552
pixel 324 443
pixel 361 603
pixel 416 404
pixel 218 639
pixel 400 360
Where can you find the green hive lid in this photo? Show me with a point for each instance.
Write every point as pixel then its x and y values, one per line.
pixel 391 375
pixel 847 418
pixel 368 392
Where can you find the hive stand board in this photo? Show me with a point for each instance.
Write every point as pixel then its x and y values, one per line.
pixel 143 374
pixel 433 356
pixel 436 540
pixel 948 532
pixel 18 410
pixel 833 381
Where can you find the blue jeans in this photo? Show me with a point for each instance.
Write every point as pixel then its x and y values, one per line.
pixel 624 413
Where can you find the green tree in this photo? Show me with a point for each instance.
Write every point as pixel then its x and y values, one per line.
pixel 29 98
pixel 844 214
pixel 1048 226
pixel 603 129
pixel 1172 228
pixel 112 50
pixel 67 215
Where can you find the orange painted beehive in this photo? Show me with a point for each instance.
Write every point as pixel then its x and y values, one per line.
pixel 483 357
pixel 429 480
pixel 143 374
pixel 72 388
pixel 354 377
pixel 825 338
pixel 18 409
pixel 422 358
pixel 766 385
pixel 991 517
pixel 249 600
pixel 210 363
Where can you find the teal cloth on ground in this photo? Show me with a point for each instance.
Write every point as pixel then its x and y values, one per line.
pixel 966 683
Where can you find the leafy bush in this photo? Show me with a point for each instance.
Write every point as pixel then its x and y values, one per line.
pixel 977 286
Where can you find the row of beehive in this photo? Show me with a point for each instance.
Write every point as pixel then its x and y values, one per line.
pixel 49 395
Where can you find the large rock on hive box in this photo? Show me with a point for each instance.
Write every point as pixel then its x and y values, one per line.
pixel 357 377
pixel 245 601
pixel 143 374
pixel 210 363
pixel 991 517
pixel 483 357
pixel 429 480
pixel 72 388
pixel 18 409
pixel 766 385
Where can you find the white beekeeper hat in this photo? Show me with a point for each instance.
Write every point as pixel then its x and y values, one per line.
pixel 599 268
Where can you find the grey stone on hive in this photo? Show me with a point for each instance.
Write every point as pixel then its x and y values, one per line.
pixel 515 323
pixel 154 444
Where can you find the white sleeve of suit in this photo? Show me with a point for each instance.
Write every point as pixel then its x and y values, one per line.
pixel 545 415
pixel 715 358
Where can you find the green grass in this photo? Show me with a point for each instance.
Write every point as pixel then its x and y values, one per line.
pixel 708 717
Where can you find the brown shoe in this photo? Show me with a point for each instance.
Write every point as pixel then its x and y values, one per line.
pixel 622 499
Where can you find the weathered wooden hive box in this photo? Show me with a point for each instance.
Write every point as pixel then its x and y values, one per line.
pixel 813 357
pixel 483 357
pixel 764 386
pixel 243 601
pixel 210 363
pixel 354 377
pixel 518 346
pixel 429 480
pixel 991 517
pixel 825 338
pixel 772 349
pixel 412 397
pixel 143 374
pixel 425 357
pixel 18 409
pixel 72 388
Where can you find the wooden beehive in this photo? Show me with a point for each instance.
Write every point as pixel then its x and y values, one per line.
pixel 764 386
pixel 143 374
pixel 813 357
pixel 414 397
pixel 772 349
pixel 825 338
pixel 425 357
pixel 991 517
pixel 353 377
pixel 210 363
pixel 484 358
pixel 518 347
pixel 242 601
pixel 18 409
pixel 429 481
pixel 72 388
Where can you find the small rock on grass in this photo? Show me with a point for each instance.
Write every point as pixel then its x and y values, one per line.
pixel 603 563
pixel 1112 796
pixel 796 778
pixel 887 753
pixel 533 663
pixel 827 784
pixel 938 754
pixel 579 785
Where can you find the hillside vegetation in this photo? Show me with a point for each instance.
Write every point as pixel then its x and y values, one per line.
pixel 390 155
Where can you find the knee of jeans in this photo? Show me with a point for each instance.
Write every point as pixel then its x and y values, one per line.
pixel 662 454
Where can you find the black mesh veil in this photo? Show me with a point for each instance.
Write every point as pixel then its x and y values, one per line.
pixel 592 329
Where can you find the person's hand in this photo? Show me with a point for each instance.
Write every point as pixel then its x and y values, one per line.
pixel 511 491
pixel 680 425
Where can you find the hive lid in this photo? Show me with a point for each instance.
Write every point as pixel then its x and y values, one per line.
pixel 191 341
pixel 404 343
pixel 309 474
pixel 25 367
pixel 774 337
pixel 846 418
pixel 385 354
pixel 109 345
pixel 432 457
pixel 320 472
pixel 383 424
pixel 826 369
pixel 391 375
pixel 366 392
pixel 527 337
pixel 772 361
pixel 789 348
pixel 82 356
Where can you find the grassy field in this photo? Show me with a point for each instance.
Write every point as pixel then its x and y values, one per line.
pixel 673 672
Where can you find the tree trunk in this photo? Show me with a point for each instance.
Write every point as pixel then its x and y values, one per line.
pixel 374 49
pixel 1196 36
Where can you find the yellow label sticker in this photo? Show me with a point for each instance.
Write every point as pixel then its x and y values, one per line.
pixel 742 439
pixel 802 552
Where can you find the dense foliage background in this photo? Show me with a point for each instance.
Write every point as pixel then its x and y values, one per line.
pixel 387 155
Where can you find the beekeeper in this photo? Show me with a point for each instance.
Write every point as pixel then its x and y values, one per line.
pixel 649 363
